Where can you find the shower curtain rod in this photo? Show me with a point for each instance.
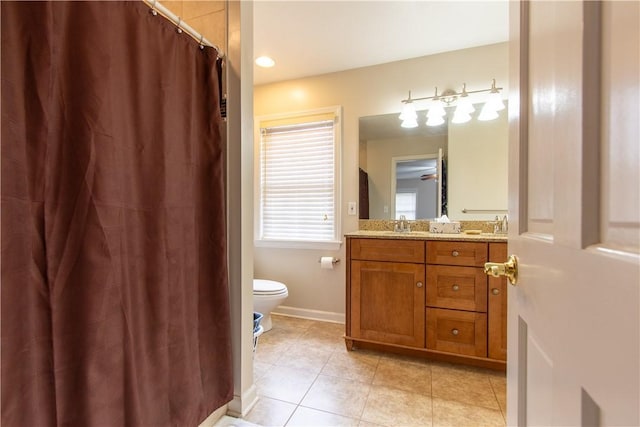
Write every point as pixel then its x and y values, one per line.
pixel 181 25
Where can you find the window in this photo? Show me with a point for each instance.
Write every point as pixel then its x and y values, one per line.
pixel 299 180
pixel 406 205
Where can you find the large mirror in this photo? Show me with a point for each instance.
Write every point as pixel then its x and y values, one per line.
pixel 423 172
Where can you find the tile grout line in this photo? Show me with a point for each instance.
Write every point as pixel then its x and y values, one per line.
pixel 431 391
pixel 493 389
pixel 310 386
pixel 366 400
pixel 333 350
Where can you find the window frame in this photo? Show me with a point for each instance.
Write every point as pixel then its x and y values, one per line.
pixel 259 240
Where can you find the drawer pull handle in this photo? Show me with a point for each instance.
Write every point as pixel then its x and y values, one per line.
pixel 419 284
pixel 455 331
pixel 455 253
pixel 495 291
pixel 456 288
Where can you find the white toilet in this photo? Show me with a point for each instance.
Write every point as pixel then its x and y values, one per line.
pixel 267 295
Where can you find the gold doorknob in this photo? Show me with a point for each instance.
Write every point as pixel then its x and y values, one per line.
pixel 509 269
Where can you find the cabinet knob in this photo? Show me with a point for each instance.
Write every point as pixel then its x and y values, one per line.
pixel 455 331
pixel 495 291
pixel 455 253
pixel 419 284
pixel 455 288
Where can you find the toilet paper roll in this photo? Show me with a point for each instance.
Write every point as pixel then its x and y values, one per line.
pixel 326 262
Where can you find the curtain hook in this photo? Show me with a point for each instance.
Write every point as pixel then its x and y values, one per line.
pixel 201 42
pixel 179 30
pixel 154 12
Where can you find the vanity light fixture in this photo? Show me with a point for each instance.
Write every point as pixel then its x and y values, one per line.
pixel 408 115
pixel 461 100
pixel 462 113
pixel 409 123
pixel 487 113
pixel 460 117
pixel 437 106
pixel 435 120
pixel 436 113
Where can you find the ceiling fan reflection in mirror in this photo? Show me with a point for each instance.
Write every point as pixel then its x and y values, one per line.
pixel 428 176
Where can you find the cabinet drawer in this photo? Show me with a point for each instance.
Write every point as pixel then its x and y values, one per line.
pixel 460 288
pixel 472 254
pixel 458 332
pixel 391 250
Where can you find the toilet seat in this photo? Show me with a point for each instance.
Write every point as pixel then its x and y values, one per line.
pixel 268 287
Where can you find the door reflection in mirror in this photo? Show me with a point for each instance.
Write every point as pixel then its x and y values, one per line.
pixel 416 186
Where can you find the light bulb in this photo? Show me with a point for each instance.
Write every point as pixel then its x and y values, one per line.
pixel 408 112
pixel 409 122
pixel 488 112
pixel 460 117
pixel 496 101
pixel 436 109
pixel 435 121
pixel 464 105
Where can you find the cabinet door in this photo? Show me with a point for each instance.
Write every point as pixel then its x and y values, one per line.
pixel 497 306
pixel 387 302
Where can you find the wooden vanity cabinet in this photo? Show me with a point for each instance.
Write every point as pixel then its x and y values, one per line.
pixel 427 298
pixel 497 306
pixel 387 296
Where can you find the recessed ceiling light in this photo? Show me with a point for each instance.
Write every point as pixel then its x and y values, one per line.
pixel 265 61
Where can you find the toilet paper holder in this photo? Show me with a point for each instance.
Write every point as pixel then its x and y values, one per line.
pixel 333 261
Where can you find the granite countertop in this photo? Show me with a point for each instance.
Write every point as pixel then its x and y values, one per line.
pixel 425 235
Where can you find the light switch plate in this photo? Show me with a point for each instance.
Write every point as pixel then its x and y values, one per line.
pixel 352 208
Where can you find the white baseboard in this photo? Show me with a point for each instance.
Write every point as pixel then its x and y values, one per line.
pixel 305 313
pixel 241 405
pixel 214 417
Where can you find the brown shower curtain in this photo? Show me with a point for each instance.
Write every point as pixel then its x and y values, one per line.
pixel 114 282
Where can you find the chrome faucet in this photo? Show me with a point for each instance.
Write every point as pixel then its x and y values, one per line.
pixel 501 226
pixel 402 225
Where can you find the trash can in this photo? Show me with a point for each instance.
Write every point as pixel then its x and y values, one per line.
pixel 257 329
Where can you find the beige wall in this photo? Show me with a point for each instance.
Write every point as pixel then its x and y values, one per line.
pixel 361 92
pixel 209 18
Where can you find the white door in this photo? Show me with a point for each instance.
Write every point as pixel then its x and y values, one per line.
pixel 574 204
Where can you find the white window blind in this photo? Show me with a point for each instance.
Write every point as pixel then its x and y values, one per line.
pixel 298 180
pixel 406 205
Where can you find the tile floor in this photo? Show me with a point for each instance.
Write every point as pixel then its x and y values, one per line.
pixel 306 377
